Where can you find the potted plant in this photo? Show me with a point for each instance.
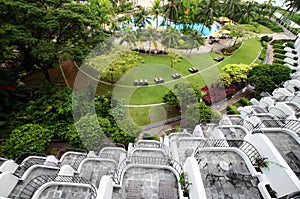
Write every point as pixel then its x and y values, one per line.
pixel 184 184
pixel 261 162
pixel 271 191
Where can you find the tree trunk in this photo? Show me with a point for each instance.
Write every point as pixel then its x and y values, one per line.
pixel 235 41
pixel 46 73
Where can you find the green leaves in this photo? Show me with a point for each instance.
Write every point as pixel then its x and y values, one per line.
pixel 266 77
pixel 26 138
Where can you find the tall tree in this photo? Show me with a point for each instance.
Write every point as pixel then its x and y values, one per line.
pixel 231 8
pixel 210 10
pixel 141 17
pixel 247 13
pixel 170 37
pixel 195 39
pixel 156 10
pixel 129 36
pixel 42 32
pixel 171 11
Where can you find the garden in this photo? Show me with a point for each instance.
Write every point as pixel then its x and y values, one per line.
pixel 33 116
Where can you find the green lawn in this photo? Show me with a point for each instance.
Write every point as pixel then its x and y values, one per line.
pixel 159 66
pixel 264 30
pixel 147 115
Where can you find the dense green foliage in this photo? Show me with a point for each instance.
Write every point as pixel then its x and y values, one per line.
pixel 231 110
pixel 181 95
pixel 267 77
pixel 26 138
pixel 52 109
pixel 234 73
pixel 37 34
pixel 198 113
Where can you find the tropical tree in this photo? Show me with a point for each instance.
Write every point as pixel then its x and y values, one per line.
pixel 210 10
pixel 171 11
pixel 231 8
pixel 236 31
pixel 170 37
pixel 195 40
pixel 156 10
pixel 129 36
pixel 182 95
pixel 141 17
pixel 42 32
pixel 151 35
pixel 103 9
pixel 247 12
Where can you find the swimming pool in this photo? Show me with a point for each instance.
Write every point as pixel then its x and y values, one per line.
pixel 197 26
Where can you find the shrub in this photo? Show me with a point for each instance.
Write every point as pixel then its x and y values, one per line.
pixel 278 61
pixel 265 38
pixel 263 54
pixel 232 110
pixel 295 58
pixel 290 44
pixel 244 101
pixel 279 56
pixel 279 50
pixel 295 64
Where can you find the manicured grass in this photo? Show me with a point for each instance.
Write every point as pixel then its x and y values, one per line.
pixel 156 66
pixel 147 115
pixel 264 30
pixel 148 95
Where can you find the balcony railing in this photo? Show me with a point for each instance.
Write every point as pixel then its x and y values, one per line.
pixel 25 165
pixel 293 125
pixel 242 122
pixel 37 182
pixel 278 113
pixel 148 161
pixel 295 99
pixel 247 148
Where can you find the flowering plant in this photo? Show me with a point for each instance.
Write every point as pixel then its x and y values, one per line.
pixel 261 162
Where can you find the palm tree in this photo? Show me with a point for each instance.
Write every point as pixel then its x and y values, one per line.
pixel 231 8
pixel 151 35
pixel 103 9
pixel 141 17
pixel 247 13
pixel 210 10
pixel 195 39
pixel 156 10
pixel 129 36
pixel 171 11
pixel 170 37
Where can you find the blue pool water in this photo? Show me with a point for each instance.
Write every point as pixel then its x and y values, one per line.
pixel 205 31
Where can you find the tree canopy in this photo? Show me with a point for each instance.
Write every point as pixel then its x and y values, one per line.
pixel 267 77
pixel 199 112
pixel 39 33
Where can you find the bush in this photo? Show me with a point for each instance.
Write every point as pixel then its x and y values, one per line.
pixel 263 54
pixel 151 137
pixel 278 61
pixel 279 50
pixel 265 38
pixel 295 58
pixel 279 56
pixel 232 110
pixel 244 101
pixel 290 44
